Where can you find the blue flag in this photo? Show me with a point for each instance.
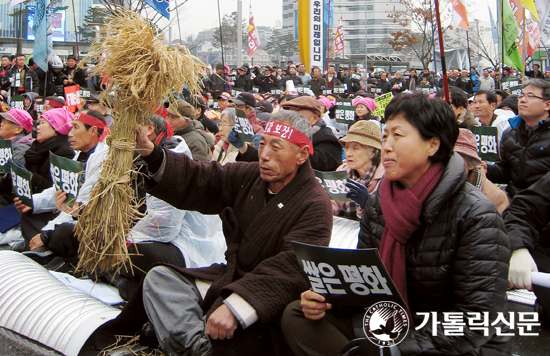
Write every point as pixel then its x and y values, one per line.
pixel 160 6
pixel 42 28
pixel 493 26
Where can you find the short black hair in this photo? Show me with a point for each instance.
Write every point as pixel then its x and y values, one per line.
pixel 98 116
pixel 432 118
pixel 458 96
pixel 491 97
pixel 503 94
pixel 31 61
pixel 6 56
pixel 71 56
pixel 19 55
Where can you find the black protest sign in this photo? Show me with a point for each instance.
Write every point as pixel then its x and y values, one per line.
pixel 487 142
pixel 327 91
pixel 344 114
pixel 334 184
pixel 236 91
pixel 376 90
pixel 6 154
pixel 39 106
pixel 232 79
pixel 301 89
pixel 339 90
pixel 347 277
pixel 356 76
pixel 21 183
pixel 509 83
pixel 216 105
pixel 66 176
pixel 517 90
pixel 85 93
pixel 276 93
pixel 243 127
pixel 255 89
pixel 17 102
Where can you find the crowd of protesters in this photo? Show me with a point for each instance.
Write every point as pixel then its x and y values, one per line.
pixel 453 231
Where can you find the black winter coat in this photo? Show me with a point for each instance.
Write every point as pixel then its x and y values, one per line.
pixel 37 160
pixel 30 80
pixel 527 220
pixel 243 81
pixel 327 151
pixel 457 261
pixel 524 158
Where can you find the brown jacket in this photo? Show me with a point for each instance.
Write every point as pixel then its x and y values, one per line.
pixel 261 265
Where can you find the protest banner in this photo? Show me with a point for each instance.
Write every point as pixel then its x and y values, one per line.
pixel 21 183
pixel 334 184
pixel 347 277
pixel 66 175
pixel 17 102
pixel 382 101
pixel 72 98
pixel 327 91
pixel 487 142
pixel 344 112
pixel 243 127
pixel 6 154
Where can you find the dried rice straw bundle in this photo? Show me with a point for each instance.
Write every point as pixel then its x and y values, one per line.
pixel 142 73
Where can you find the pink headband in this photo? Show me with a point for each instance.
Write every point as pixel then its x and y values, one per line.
pixel 368 102
pixel 288 133
pixel 59 119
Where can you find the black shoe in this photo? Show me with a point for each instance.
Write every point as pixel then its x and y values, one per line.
pixel 147 336
pixel 41 255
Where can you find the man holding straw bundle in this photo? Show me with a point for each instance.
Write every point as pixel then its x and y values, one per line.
pixel 235 307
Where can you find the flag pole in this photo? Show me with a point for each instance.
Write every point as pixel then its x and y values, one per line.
pixel 523 46
pixel 442 52
pixel 328 35
pixel 76 35
pixel 501 42
pixel 221 36
pixel 468 46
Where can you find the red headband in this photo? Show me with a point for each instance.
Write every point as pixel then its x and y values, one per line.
pixel 53 104
pixel 288 133
pixel 93 121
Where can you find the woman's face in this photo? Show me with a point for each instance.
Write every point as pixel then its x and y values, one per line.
pixel 44 131
pixel 361 110
pixel 405 153
pixel 225 127
pixel 359 157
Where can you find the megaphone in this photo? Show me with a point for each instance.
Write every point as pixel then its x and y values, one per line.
pixel 290 88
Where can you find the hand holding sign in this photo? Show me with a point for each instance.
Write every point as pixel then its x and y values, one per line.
pixel 66 176
pixel 313 305
pixel 60 198
pixel 21 183
pixel 234 139
pixel 357 192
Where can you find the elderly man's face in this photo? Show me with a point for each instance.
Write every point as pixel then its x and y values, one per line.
pixel 292 71
pixel 279 161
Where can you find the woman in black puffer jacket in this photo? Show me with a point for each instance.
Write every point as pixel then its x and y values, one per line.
pixel 442 241
pixel 54 126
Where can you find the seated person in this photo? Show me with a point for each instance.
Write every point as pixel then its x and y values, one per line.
pixel 466 146
pixel 441 240
pixel 15 126
pixel 526 221
pixel 235 308
pixel 459 104
pixel 225 152
pixel 362 148
pixel 54 125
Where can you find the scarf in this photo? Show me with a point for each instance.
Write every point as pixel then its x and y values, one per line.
pixel 40 151
pixel 401 209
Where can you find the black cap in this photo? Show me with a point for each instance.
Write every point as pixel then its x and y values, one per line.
pixel 244 99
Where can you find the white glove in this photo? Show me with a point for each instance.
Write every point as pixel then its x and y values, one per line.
pixel 12 79
pixel 521 266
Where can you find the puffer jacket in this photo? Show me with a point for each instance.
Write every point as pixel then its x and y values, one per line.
pixel 327 151
pixel 457 261
pixel 524 159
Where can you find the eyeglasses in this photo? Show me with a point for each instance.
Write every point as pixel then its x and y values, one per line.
pixel 529 97
pixel 220 125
